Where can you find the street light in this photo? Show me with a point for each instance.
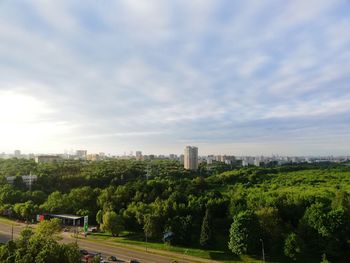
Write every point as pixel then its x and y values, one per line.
pixel 146 241
pixel 262 248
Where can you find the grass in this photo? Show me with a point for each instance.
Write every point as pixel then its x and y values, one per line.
pixel 136 239
pixel 8 221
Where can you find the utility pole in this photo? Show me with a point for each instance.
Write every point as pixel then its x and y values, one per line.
pixel 262 248
pixel 146 241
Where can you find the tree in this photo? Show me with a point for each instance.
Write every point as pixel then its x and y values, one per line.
pixel 113 223
pixel 324 259
pixel 341 200
pixel 49 228
pixel 206 230
pixel 25 210
pixel 40 247
pixel 292 246
pixel 152 226
pixel 181 227
pixel 50 252
pixel 70 253
pixel 18 183
pixel 99 216
pixel 271 226
pixel 244 233
pixel 56 202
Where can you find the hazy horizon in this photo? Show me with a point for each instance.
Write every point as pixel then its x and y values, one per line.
pixel 242 77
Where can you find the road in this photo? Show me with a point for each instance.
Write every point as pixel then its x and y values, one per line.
pixel 122 254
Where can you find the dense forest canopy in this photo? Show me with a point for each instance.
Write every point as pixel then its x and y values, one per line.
pixel 296 210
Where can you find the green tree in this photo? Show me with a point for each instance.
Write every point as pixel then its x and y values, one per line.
pixel 206 230
pixel 152 226
pixel 244 233
pixel 292 246
pixel 40 246
pixel 113 223
pixel 181 226
pixel 56 202
pixel 18 183
pixel 272 228
pixel 49 228
pixel 324 259
pixel 70 253
pixel 50 252
pixel 99 217
pixel 341 200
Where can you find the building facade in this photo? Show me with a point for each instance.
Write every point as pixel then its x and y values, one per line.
pixel 28 180
pixel 139 156
pixel 191 158
pixel 81 154
pixel 47 158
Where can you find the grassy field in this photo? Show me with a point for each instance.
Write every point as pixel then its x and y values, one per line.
pixel 7 221
pixel 132 239
pixel 138 240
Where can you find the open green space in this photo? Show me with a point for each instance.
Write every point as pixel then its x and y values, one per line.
pixel 297 212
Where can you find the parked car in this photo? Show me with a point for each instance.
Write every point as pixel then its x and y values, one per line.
pixel 112 258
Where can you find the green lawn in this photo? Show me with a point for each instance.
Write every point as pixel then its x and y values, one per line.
pixel 138 240
pixel 7 221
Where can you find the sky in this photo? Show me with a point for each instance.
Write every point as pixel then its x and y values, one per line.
pixel 245 77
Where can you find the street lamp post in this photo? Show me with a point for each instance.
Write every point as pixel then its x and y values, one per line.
pixel 262 248
pixel 146 241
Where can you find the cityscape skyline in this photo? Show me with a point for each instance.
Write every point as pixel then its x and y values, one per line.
pixel 138 154
pixel 241 78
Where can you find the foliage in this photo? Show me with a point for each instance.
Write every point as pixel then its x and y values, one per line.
pixel 206 230
pixel 39 246
pixel 292 246
pixel 244 233
pixel 150 197
pixel 112 222
pixel 49 228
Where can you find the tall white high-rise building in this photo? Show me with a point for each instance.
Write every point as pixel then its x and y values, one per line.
pixel 191 158
pixel 17 153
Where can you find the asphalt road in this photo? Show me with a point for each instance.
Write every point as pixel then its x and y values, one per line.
pixel 122 254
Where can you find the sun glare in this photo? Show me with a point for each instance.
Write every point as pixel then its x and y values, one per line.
pixel 25 120
pixel 17 108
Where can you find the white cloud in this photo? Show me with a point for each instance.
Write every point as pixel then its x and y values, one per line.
pixel 251 64
pixel 180 70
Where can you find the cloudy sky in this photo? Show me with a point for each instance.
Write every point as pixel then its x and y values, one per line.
pixel 241 77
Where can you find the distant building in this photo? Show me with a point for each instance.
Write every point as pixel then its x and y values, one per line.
pixel 181 158
pixel 27 179
pixel 172 156
pixel 138 155
pixel 191 158
pixel 210 159
pixel 47 158
pixel 66 220
pixel 257 162
pixel 93 157
pixel 17 153
pixel 81 154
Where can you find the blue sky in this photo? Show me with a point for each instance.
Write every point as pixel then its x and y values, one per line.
pixel 240 77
